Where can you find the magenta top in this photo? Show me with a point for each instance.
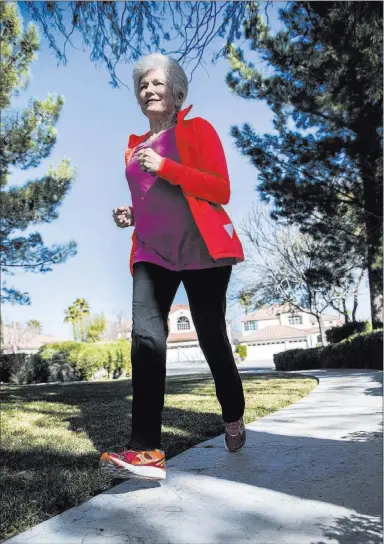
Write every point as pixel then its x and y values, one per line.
pixel 166 232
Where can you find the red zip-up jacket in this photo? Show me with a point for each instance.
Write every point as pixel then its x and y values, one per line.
pixel 203 177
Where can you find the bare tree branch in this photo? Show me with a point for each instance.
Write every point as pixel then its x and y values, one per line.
pixel 120 32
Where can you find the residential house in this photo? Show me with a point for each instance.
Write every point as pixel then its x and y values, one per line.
pixel 278 328
pixel 182 343
pixel 21 340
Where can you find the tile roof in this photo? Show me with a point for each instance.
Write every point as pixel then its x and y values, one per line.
pixel 40 340
pixel 182 336
pixel 272 312
pixel 34 343
pixel 177 307
pixel 269 312
pixel 276 332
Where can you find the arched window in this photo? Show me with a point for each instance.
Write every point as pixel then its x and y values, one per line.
pixel 183 324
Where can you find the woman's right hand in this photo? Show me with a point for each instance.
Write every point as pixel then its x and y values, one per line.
pixel 123 216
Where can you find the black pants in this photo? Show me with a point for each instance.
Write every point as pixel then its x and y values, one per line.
pixel 154 289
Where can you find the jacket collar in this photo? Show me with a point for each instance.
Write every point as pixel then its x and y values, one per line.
pixel 183 113
pixel 135 140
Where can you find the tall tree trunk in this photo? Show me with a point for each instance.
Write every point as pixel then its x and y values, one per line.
pixel 322 331
pixel 375 272
pixel 356 295
pixel 345 311
pixel 81 330
pixel 369 148
pixel 74 331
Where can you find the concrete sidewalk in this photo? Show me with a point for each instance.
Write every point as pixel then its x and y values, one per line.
pixel 310 474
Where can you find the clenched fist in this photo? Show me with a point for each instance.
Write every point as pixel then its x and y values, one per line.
pixel 149 160
pixel 123 216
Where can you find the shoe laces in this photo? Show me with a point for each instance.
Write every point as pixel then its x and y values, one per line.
pixel 233 428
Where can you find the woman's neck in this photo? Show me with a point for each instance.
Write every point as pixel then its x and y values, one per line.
pixel 159 124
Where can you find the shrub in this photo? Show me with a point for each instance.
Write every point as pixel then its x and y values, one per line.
pixel 90 359
pixel 61 351
pixel 67 361
pixel 21 368
pixel 114 357
pixel 363 350
pixel 241 349
pixel 87 359
pixel 294 359
pixel 16 368
pixel 337 334
pixel 5 368
pixel 60 360
pixel 123 349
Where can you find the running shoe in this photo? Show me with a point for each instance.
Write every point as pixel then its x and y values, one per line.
pixel 148 465
pixel 235 436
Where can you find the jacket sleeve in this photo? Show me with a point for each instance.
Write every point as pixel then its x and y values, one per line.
pixel 210 179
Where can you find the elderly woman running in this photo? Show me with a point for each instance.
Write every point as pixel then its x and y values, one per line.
pixel 178 179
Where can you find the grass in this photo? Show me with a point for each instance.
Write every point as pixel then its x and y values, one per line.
pixel 52 435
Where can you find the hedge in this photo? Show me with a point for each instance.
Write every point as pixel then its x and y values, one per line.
pixel 67 361
pixel 363 350
pixel 337 334
pixel 242 351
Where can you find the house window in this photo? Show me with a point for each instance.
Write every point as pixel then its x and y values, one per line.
pixel 183 324
pixel 250 326
pixel 295 320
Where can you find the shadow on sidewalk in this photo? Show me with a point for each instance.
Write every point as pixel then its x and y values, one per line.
pixel 326 471
pixel 357 529
pixel 279 485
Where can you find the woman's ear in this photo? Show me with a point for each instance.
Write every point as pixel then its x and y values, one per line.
pixel 179 99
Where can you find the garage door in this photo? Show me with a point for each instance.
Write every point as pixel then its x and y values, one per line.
pixel 184 354
pixel 262 352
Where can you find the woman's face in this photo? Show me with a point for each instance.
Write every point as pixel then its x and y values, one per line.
pixel 155 96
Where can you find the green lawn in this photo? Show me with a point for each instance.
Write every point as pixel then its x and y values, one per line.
pixel 52 435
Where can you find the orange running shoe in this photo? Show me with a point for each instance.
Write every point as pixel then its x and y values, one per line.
pixel 148 465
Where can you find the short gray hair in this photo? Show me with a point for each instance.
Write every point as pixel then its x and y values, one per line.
pixel 174 73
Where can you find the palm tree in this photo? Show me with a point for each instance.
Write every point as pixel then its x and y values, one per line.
pixel 72 316
pixel 83 309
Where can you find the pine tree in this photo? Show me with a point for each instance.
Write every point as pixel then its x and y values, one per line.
pixel 27 137
pixel 322 168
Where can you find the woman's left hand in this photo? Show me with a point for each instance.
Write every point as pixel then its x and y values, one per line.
pixel 149 160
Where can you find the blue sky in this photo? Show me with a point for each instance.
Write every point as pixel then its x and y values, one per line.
pixel 92 132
